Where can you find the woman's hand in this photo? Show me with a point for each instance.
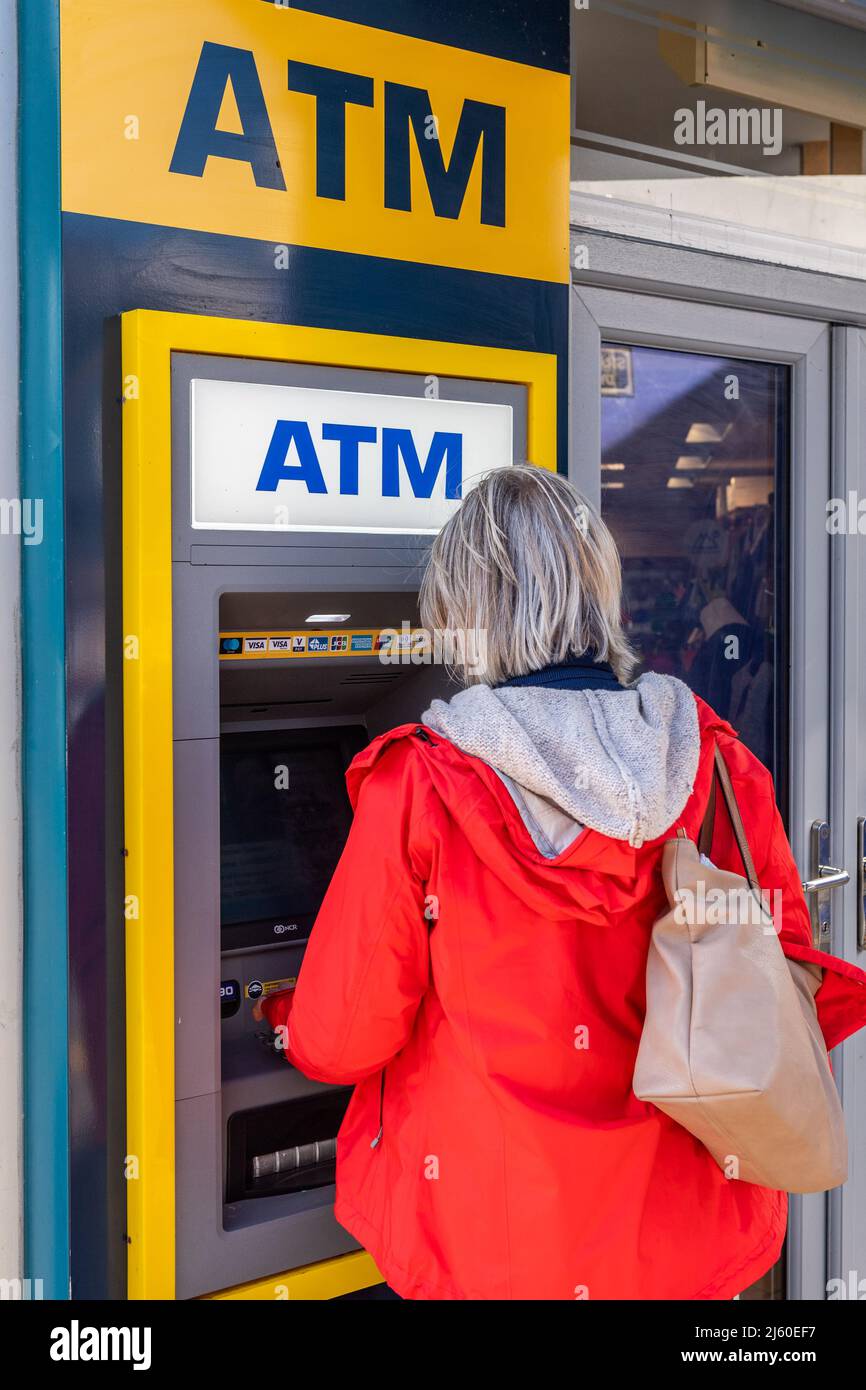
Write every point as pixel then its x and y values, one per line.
pixel 259 1007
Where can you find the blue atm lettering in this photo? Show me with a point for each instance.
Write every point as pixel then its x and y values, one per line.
pixel 407 114
pixel 292 457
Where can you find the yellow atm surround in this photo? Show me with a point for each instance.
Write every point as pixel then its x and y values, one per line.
pixel 148 341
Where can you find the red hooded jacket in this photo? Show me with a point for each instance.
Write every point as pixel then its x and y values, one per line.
pixel 455 976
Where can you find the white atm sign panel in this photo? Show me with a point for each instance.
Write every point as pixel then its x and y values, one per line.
pixel 289 458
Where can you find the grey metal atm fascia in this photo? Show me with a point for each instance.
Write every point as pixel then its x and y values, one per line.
pixel 206 565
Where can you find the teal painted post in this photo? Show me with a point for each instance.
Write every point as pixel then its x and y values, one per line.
pixel 46 1107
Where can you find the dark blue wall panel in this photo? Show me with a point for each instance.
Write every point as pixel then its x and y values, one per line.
pixel 524 31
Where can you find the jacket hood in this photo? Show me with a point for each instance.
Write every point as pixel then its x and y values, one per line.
pixel 622 762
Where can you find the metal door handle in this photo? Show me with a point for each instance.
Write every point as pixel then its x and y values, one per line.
pixel 824 876
pixel 828 877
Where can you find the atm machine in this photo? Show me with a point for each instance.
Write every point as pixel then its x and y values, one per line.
pixel 298 697
pixel 267 647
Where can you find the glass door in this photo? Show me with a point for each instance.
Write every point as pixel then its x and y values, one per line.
pixel 706 444
pixel 694 459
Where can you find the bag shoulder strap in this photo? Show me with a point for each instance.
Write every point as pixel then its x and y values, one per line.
pixel 723 777
pixel 705 838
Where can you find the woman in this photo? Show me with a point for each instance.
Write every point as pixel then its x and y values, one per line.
pixel 477 967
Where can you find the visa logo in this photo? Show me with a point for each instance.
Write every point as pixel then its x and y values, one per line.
pixel 399 455
pixel 409 126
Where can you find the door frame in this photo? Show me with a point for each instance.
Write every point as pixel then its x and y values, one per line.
pixel 704 277
pixel 680 323
pixel 847 1204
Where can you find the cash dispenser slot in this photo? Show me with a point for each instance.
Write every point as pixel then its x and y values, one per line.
pixel 279 1149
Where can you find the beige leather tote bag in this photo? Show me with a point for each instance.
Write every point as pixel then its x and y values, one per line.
pixel 731 1047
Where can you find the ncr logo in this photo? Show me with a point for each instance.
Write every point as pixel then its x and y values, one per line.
pixel 409 121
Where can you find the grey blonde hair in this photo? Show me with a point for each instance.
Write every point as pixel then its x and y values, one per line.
pixel 527 565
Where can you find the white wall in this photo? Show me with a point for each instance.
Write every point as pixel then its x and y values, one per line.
pixel 10 725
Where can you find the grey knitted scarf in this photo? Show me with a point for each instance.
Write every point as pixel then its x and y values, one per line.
pixel 622 762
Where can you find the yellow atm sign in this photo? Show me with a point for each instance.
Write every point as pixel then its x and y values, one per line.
pixel 261 121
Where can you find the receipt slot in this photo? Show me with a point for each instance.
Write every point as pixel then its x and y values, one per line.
pixel 281 489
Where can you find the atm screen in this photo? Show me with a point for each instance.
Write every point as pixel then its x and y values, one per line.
pixel 284 818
